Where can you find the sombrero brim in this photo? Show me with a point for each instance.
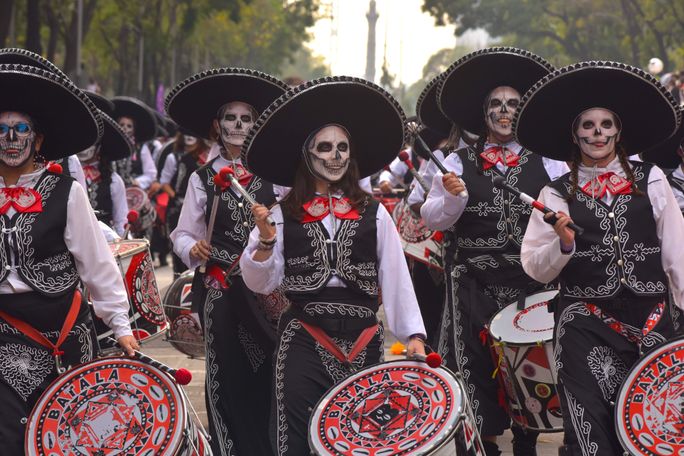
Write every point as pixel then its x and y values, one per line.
pixel 145 122
pixel 467 82
pixel 103 104
pixel 431 138
pixel 38 93
pixel 665 154
pixel 428 111
pixel 543 121
pixel 374 119
pixel 25 57
pixel 194 103
pixel 115 145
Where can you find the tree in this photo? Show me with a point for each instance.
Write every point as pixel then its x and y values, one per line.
pixel 7 8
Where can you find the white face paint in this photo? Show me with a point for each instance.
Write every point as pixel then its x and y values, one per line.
pixel 235 122
pixel 327 155
pixel 596 132
pixel 17 138
pixel 128 127
pixel 500 107
pixel 87 155
pixel 189 140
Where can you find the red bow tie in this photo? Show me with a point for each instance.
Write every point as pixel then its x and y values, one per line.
pixel 92 173
pixel 499 154
pixel 242 175
pixel 317 209
pixel 21 199
pixel 607 182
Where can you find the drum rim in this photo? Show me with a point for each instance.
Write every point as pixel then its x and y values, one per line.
pixel 626 443
pixel 31 436
pixel 144 245
pixel 520 344
pixel 449 430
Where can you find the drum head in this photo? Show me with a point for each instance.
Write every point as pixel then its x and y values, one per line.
pixel 110 406
pixel 125 247
pixel 528 326
pixel 136 198
pixel 395 408
pixel 649 413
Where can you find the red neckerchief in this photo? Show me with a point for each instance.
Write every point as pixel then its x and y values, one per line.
pixel 317 209
pixel 499 154
pixel 92 173
pixel 607 182
pixel 242 175
pixel 22 199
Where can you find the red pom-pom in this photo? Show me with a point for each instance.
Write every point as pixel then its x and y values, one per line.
pixel 403 156
pixel 55 168
pixel 438 236
pixel 132 216
pixel 226 172
pixel 386 168
pixel 183 376
pixel 433 360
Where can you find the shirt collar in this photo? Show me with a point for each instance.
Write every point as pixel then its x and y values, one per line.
pixel 512 146
pixel 586 173
pixel 26 180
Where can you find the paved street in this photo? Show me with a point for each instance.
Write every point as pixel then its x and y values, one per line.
pixel 162 351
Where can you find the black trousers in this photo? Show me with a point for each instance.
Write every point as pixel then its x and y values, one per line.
pixel 239 342
pixel 428 284
pixel 593 360
pixel 27 368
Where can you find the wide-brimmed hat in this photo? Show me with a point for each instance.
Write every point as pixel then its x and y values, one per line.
pixel 373 118
pixel 102 103
pixel 467 82
pixel 25 57
pixel 115 144
pixel 665 154
pixel 66 117
pixel 428 112
pixel 195 102
pixel 647 112
pixel 145 122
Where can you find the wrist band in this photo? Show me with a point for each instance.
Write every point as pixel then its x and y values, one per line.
pixel 417 336
pixel 270 241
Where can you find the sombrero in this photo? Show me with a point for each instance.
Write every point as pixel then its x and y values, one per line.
pixel 26 57
pixel 665 154
pixel 145 122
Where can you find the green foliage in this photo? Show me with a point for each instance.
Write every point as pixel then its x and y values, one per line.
pixel 564 31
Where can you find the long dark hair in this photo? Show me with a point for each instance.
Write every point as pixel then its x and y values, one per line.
pixel 304 189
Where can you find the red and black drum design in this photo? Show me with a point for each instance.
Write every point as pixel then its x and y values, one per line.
pixel 185 331
pixel 649 412
pixel 417 240
pixel 395 408
pixel 112 406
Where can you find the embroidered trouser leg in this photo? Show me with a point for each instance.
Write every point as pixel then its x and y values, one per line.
pixel 593 360
pixel 304 371
pixel 238 374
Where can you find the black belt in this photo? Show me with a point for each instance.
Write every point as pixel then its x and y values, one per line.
pixel 341 324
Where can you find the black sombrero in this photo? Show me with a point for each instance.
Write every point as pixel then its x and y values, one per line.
pixel 26 57
pixel 467 82
pixel 145 122
pixel 194 103
pixel 428 112
pixel 374 119
pixel 665 154
pixel 115 144
pixel 38 93
pixel 102 103
pixel 543 121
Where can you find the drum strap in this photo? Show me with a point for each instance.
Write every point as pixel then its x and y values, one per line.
pixel 35 335
pixel 329 344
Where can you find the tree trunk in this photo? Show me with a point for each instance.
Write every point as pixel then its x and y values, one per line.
pixel 33 27
pixel 53 37
pixel 7 7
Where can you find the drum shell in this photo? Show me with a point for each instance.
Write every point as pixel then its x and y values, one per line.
pixel 419 242
pixel 138 201
pixel 185 331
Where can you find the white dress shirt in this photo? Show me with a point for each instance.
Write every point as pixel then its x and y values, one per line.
pixel 397 171
pixel 76 171
pixel 541 255
pixel 442 209
pixel 94 260
pixel 169 169
pixel 679 196
pixel 119 204
pixel 149 174
pixel 398 296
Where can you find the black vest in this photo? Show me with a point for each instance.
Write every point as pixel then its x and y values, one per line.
pixel 494 220
pixel 37 239
pixel 186 166
pixel 234 219
pixel 619 249
pixel 136 160
pixel 100 196
pixel 311 258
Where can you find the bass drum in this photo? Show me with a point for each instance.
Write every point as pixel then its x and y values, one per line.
pixel 185 331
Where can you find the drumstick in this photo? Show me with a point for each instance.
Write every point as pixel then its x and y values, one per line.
pixel 132 217
pixel 398 178
pixel 437 163
pixel 212 217
pixel 403 156
pixel 227 175
pixel 501 183
pixel 433 359
pixel 181 375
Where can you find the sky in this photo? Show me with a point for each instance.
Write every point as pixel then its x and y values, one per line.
pixel 409 34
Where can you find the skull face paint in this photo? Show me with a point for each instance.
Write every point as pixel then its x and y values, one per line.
pixel 327 153
pixel 128 126
pixel 596 131
pixel 87 155
pixel 235 121
pixel 189 140
pixel 500 106
pixel 17 138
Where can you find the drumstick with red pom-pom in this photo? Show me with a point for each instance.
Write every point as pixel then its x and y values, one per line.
pixel 132 217
pixel 433 359
pixel 227 176
pixel 404 156
pixel 396 176
pixel 182 376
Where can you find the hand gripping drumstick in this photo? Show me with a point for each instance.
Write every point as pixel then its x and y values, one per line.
pixel 501 183
pixel 437 163
pixel 433 360
pixel 182 376
pixel 227 177
pixel 403 156
pixel 132 217
pixel 397 177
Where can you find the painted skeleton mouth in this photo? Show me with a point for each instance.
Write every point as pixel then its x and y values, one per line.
pixel 504 121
